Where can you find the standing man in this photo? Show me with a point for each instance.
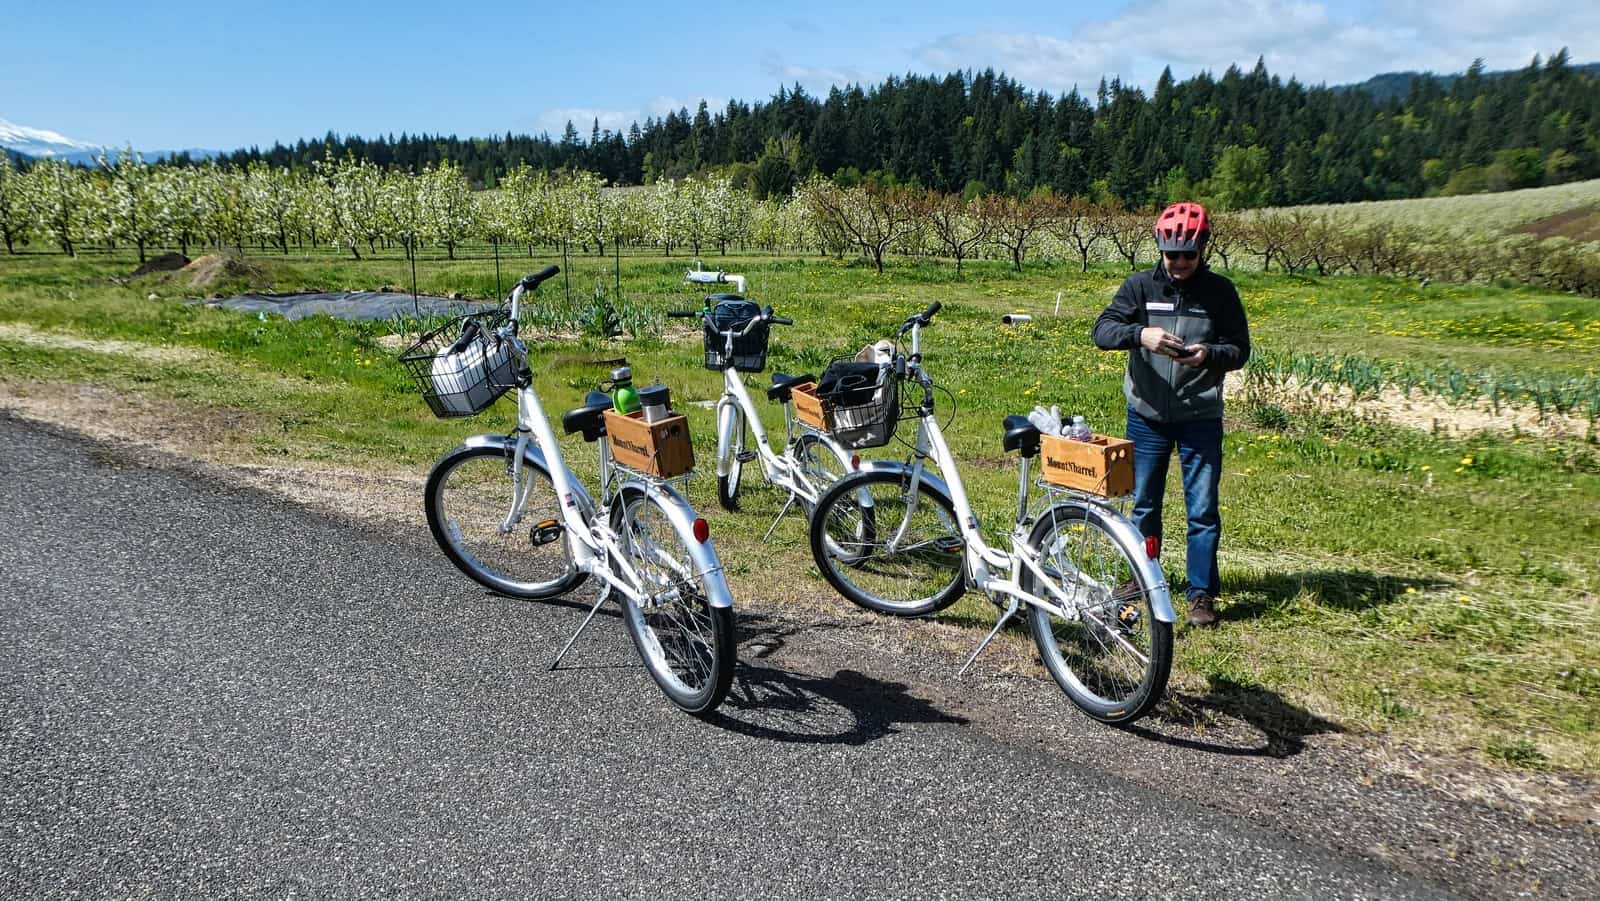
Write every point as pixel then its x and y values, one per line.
pixel 1184 329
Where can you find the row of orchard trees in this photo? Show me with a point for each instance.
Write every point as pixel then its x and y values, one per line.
pixel 358 207
pixel 875 221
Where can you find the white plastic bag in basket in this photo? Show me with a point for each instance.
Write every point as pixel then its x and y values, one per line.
pixel 454 374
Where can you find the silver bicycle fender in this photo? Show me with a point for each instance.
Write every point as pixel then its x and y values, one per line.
pixel 534 456
pixel 1123 530
pixel 727 426
pixel 682 517
pixel 934 481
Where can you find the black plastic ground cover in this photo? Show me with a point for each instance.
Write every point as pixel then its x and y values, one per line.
pixel 348 305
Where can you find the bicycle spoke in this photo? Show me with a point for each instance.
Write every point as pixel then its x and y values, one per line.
pixel 485 521
pixel 888 551
pixel 1106 646
pixel 677 615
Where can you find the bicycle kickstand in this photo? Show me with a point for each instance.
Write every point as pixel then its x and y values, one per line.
pixel 605 595
pixel 1011 610
pixel 781 514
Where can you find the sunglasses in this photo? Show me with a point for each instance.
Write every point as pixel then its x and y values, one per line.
pixel 1180 254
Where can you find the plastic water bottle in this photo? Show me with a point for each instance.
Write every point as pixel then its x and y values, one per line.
pixel 1079 430
pixel 624 399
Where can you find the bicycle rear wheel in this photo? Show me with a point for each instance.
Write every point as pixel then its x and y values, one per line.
pixel 1113 658
pixel 887 549
pixel 687 645
pixel 818 463
pixel 468 497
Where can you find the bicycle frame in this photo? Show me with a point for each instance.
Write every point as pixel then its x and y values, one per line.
pixel 592 541
pixel 996 571
pixel 779 469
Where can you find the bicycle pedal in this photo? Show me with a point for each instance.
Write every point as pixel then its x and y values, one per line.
pixel 545 532
pixel 1127 615
pixel 745 456
pixel 948 544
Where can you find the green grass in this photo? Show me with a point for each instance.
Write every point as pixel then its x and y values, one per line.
pixel 1441 589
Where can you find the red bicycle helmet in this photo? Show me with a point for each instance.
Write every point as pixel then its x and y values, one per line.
pixel 1182 226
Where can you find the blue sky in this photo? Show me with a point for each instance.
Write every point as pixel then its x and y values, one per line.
pixel 221 75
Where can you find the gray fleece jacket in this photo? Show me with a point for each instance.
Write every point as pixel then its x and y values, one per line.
pixel 1206 311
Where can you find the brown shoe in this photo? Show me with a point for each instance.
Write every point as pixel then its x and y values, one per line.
pixel 1203 611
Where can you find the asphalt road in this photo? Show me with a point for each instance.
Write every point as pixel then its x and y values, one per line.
pixel 209 692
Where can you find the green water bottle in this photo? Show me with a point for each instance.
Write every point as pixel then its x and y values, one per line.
pixel 624 399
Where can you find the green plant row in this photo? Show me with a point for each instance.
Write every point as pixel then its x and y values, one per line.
pixel 1367 378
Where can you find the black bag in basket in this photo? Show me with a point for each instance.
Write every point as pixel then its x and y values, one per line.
pixel 850 384
pixel 749 350
pixel 865 402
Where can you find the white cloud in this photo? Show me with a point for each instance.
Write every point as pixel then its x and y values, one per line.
pixel 555 121
pixel 818 79
pixel 1302 38
pixel 660 106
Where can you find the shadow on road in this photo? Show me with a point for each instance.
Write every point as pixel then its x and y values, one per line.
pixel 847 708
pixel 1245 721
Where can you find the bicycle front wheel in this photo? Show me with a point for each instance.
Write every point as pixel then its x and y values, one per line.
pixel 1112 656
pixel 686 643
pixel 468 501
pixel 886 548
pixel 732 462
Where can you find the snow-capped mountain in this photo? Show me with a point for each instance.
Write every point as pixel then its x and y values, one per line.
pixel 39 142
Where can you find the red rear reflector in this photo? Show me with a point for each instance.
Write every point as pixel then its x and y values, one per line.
pixel 1152 547
pixel 855 461
pixel 702 531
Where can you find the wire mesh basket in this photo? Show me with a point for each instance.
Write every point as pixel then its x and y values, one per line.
pixel 863 402
pixel 462 367
pixel 749 349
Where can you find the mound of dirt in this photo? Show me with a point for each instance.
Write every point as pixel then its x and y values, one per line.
pixel 1580 224
pixel 213 268
pixel 167 262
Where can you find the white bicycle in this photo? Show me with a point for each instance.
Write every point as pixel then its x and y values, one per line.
pixel 735 334
pixel 509 513
pixel 1098 605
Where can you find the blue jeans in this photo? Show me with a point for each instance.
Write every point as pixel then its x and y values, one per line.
pixel 1200 453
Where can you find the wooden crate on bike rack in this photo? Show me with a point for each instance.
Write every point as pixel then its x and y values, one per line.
pixel 808 407
pixel 1102 465
pixel 660 448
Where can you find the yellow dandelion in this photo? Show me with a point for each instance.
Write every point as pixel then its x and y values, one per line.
pixel 1427 469
pixel 1466 461
pixel 1411 589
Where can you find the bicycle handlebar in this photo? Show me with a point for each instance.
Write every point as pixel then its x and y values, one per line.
pixel 469 333
pixel 716 278
pixel 532 280
pixel 766 316
pixel 525 284
pixel 925 317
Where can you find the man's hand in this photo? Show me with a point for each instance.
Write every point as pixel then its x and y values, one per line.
pixel 1158 340
pixel 1193 355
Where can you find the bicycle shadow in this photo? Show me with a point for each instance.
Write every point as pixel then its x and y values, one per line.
pixel 1273 727
pixel 1348 590
pixel 847 708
